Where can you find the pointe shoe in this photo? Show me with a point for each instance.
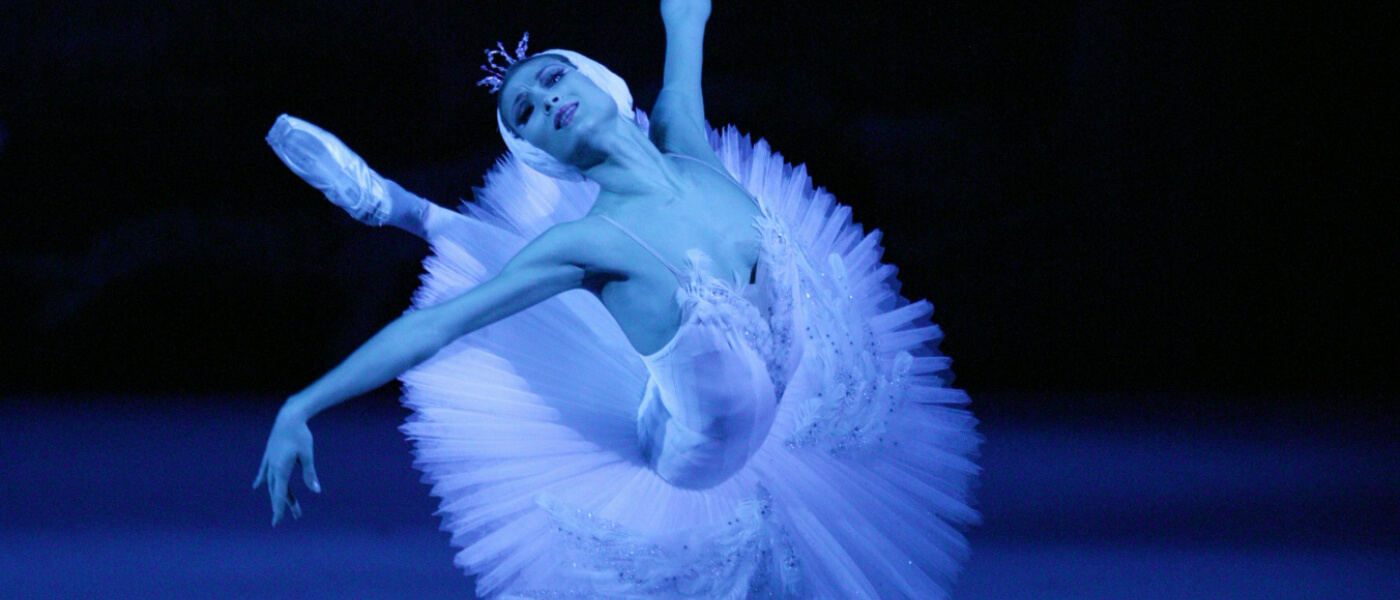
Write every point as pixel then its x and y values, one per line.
pixel 328 165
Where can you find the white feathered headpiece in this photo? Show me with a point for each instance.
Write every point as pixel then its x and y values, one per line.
pixel 597 73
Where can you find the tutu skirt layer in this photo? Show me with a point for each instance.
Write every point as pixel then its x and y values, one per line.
pixel 527 431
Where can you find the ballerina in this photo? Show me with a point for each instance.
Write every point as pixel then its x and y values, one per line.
pixel 650 360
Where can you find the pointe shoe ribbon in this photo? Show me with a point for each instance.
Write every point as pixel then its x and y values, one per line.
pixel 330 166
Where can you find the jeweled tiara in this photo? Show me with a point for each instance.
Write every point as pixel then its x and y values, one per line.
pixel 496 71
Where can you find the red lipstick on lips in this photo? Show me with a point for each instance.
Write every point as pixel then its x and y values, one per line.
pixel 565 115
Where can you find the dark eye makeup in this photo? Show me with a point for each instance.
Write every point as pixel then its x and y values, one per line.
pixel 552 75
pixel 548 76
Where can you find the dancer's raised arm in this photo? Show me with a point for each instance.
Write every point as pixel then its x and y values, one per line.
pixel 678 119
pixel 552 264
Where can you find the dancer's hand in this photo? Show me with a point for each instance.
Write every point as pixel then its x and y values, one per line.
pixel 288 444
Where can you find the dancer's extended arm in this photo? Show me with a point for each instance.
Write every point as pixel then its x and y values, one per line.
pixel 678 118
pixel 546 267
pixel 550 265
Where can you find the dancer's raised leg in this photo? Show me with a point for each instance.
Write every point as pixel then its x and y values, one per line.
pixel 330 166
pixel 417 215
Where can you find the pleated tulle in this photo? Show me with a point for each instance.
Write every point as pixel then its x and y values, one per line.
pixel 527 429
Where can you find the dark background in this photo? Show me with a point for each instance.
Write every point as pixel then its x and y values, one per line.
pixel 1098 196
pixel 1159 236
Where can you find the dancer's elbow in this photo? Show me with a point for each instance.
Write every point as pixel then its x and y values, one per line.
pixel 422 333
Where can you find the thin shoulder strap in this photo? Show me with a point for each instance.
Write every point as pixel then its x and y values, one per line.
pixel 721 172
pixel 643 243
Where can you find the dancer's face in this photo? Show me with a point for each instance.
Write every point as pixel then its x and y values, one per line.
pixel 546 101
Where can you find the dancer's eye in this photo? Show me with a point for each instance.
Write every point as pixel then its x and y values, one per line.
pixel 524 114
pixel 554 76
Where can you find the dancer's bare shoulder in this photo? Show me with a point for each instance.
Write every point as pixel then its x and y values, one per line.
pixel 571 242
pixel 588 243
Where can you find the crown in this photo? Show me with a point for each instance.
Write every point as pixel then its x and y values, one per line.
pixel 496 70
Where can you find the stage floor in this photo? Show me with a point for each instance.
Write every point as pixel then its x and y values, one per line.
pixel 136 498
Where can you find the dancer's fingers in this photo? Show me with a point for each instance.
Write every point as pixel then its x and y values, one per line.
pixel 262 475
pixel 277 492
pixel 308 471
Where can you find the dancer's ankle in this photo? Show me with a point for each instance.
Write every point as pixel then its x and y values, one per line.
pixel 407 210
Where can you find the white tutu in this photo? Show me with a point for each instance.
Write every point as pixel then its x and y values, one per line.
pixel 527 429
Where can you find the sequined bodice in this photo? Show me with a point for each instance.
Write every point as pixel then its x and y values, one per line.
pixel 714 387
pixel 736 305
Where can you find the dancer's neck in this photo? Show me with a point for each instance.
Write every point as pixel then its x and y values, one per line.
pixel 631 165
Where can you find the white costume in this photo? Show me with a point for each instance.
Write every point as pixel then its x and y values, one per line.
pixel 797 438
pixel 529 428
